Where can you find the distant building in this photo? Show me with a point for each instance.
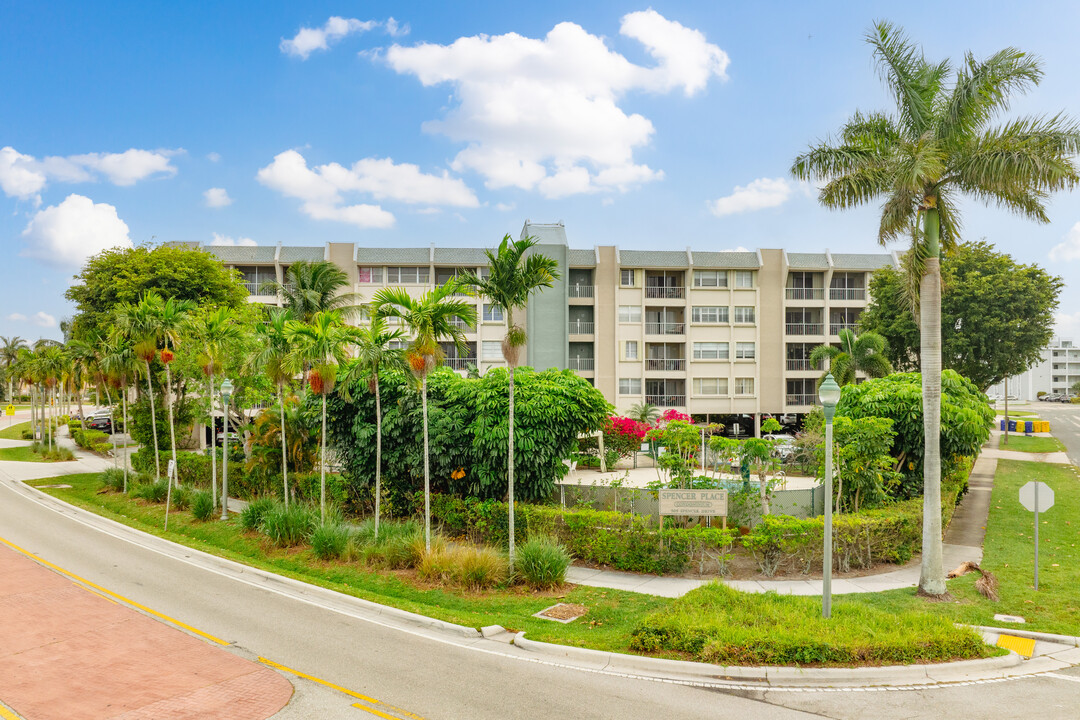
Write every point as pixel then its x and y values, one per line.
pixel 1055 373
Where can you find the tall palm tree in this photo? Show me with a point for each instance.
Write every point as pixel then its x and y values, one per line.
pixel 50 372
pixel 374 353
pixel 313 287
pixel 430 318
pixel 863 354
pixel 273 358
pixel 138 325
pixel 23 367
pixel 323 344
pixel 119 362
pixel 213 332
pixel 9 355
pixel 935 147
pixel 513 277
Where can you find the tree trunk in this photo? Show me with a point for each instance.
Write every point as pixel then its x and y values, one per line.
pixel 153 421
pixel 378 453
pixel 49 417
pixel 213 441
pixel 172 428
pixel 932 575
pixel 427 468
pixel 284 458
pixel 322 477
pixel 124 400
pixel 1006 410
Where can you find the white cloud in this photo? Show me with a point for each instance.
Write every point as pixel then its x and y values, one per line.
pixel 736 249
pixel 758 195
pixel 25 177
pixel 1069 248
pixel 428 211
pixel 505 207
pixel 128 167
pixel 217 197
pixel 19 175
pixel 213 156
pixel 219 239
pixel 395 29
pixel 322 187
pixel 67 234
pixel 17 317
pixel 308 40
pixel 1067 325
pixel 43 319
pixel 544 114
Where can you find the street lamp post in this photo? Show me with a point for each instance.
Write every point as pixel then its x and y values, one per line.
pixel 829 395
pixel 226 392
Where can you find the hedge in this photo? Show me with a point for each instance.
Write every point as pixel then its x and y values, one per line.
pixel 93 440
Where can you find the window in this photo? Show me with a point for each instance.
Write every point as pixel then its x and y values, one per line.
pixel 397 344
pixel 710 278
pixel 744 386
pixel 631 350
pixel 710 351
pixel 629 386
pixel 484 272
pixel 408 275
pixel 744 278
pixel 630 313
pixel 370 274
pixel 492 350
pixel 710 386
pixel 492 313
pixel 744 351
pixel 709 314
pixel 628 278
pixel 744 314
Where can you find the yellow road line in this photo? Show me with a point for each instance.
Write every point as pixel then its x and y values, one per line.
pixel 110 593
pixel 373 711
pixel 95 592
pixel 8 714
pixel 348 692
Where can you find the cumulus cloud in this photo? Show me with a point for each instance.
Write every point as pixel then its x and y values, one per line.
pixel 322 187
pixel 1067 325
pixel 308 40
pixel 24 176
pixel 1069 248
pixel 16 317
pixel 43 319
pixel 544 113
pixel 757 195
pixel 219 239
pixel 395 29
pixel 67 234
pixel 217 197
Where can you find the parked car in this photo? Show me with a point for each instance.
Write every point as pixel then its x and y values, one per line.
pixel 233 437
pixel 784 447
pixel 99 422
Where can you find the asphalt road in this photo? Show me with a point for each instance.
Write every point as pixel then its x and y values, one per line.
pixel 1064 423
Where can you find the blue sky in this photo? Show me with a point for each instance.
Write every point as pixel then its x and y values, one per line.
pixel 635 124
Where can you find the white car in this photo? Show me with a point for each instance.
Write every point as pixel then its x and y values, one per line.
pixel 784 445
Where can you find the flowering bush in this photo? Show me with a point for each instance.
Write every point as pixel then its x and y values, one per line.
pixel 673 415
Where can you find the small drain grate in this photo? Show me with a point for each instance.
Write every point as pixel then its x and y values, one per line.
pixel 563 612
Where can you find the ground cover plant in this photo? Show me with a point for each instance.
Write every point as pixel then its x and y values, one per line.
pixel 36 452
pixel 15 432
pixel 1023 443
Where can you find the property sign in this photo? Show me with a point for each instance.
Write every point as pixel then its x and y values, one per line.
pixel 9 410
pixel 171 472
pixel 709 503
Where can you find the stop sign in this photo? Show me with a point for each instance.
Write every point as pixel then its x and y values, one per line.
pixel 1046 497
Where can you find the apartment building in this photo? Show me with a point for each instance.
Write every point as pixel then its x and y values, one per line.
pixel 1055 373
pixel 723 336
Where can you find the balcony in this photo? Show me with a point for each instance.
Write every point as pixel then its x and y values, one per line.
pixel 804 293
pixel 262 289
pixel 665 364
pixel 582 364
pixel 461 325
pixel 581 327
pixel 835 328
pixel 666 400
pixel 800 364
pixel 665 293
pixel 459 363
pixel 665 328
pixel 804 328
pixel 847 293
pixel 579 291
pixel 802 399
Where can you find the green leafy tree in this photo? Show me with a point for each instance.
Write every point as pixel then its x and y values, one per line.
pixel 9 355
pixel 863 354
pixel 997 315
pixel 311 288
pixel 512 278
pixel 866 474
pixel 936 147
pixel 1076 388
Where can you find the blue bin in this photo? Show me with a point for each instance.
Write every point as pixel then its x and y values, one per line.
pixel 1002 428
pixel 1012 426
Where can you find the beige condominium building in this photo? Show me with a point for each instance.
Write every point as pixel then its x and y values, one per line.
pixel 723 336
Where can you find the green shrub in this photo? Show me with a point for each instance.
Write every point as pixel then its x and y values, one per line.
pixel 289 526
pixel 113 479
pixel 74 425
pixel 181 498
pixel 542 562
pixel 480 567
pixel 396 545
pixel 202 505
pixel 154 492
pixel 330 540
pixel 251 517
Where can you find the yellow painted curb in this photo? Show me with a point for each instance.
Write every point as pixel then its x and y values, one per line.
pixel 1019 645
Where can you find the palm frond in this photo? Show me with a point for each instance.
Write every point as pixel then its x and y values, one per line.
pixel 902 67
pixel 983 89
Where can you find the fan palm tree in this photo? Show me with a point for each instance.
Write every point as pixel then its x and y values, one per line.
pixel 213 332
pixel 374 353
pixel 9 355
pixel 919 161
pixel 430 318
pixel 323 345
pixel 273 358
pixel 119 363
pixel 644 412
pixel 512 279
pixel 863 354
pixel 314 287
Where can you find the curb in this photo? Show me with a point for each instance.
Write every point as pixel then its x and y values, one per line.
pixel 1033 635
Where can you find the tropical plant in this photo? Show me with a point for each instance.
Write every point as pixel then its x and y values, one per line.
pixel 432 317
pixel 644 412
pixel 213 331
pixel 311 288
pixel 936 147
pixel 9 356
pixel 512 278
pixel 273 358
pixel 137 325
pixel 118 361
pixel 863 354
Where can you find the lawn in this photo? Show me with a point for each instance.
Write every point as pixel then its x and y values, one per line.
pixel 1023 443
pixel 20 454
pixel 15 431
pixel 614 616
pixel 1018 413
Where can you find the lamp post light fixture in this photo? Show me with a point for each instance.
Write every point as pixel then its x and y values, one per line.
pixel 226 393
pixel 829 395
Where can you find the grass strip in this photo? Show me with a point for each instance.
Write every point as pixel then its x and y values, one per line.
pixel 15 431
pixel 20 454
pixel 1023 443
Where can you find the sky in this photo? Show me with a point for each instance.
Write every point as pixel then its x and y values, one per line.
pixel 406 123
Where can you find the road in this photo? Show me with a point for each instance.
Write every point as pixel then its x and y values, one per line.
pixel 432 676
pixel 1064 424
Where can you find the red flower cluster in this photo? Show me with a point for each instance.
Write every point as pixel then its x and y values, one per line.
pixel 628 426
pixel 675 415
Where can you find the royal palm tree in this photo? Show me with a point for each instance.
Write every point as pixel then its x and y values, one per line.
pixel 273 359
pixel 138 325
pixel 376 349
pixel 432 317
pixel 513 277
pixel 50 373
pixel 322 345
pixel 9 355
pixel 314 287
pixel 120 364
pixel 856 354
pixel 214 331
pixel 919 161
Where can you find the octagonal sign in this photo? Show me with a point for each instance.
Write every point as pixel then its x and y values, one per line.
pixel 1046 497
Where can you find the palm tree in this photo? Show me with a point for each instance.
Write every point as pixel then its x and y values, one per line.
pixel 138 325
pixel 863 354
pixel 432 317
pixel 314 287
pixel 118 362
pixel 513 277
pixel 50 372
pixel 374 353
pixel 323 345
pixel 936 147
pixel 213 332
pixel 9 355
pixel 273 358
pixel 644 412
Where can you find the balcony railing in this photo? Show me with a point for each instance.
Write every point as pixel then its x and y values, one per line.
pixel 580 291
pixel 847 293
pixel 666 400
pixel 801 364
pixel 805 328
pixel 835 328
pixel 581 327
pixel 462 291
pixel 665 328
pixel 582 363
pixel 461 325
pixel 262 289
pixel 665 364
pixel 459 363
pixel 804 293
pixel 669 293
pixel 802 399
